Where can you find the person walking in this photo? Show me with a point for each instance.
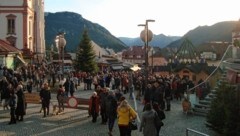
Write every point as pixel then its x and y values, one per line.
pixel 4 92
pixel 12 105
pixel 67 87
pixel 111 110
pixel 148 124
pixel 72 88
pixel 94 107
pixel 160 114
pixel 125 115
pixel 60 98
pixel 21 107
pixel 45 96
pixel 168 95
pixel 103 96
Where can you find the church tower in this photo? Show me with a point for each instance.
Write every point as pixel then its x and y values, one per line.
pixel 22 24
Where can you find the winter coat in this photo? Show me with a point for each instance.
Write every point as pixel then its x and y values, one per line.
pixel 125 114
pixel 72 86
pixel 67 85
pixel 111 106
pixel 3 89
pixel 21 108
pixel 158 95
pixel 94 100
pixel 45 95
pixel 12 101
pixel 148 123
pixel 103 97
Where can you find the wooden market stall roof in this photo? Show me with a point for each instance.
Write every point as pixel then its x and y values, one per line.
pixel 6 48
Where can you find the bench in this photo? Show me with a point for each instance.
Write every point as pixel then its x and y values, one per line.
pixel 34 98
pixel 81 103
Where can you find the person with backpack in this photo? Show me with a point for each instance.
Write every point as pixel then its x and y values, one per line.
pixel 111 110
pixel 148 125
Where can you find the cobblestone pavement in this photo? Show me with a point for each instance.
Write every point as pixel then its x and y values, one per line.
pixel 75 122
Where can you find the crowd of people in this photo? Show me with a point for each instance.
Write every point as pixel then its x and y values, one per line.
pixel 108 98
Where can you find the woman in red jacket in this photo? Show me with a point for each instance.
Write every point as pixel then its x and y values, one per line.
pixel 94 107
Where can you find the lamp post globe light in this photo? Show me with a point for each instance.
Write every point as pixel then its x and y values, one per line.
pixel 60 44
pixel 146 36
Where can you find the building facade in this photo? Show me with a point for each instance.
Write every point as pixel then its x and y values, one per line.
pixel 22 24
pixel 236 37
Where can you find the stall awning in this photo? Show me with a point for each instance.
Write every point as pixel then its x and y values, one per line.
pixel 117 67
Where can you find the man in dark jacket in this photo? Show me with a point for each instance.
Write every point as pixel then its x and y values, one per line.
pixel 111 110
pixel 103 95
pixel 45 96
pixel 12 104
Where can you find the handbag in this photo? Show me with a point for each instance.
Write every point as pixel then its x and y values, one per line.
pixel 158 121
pixel 132 125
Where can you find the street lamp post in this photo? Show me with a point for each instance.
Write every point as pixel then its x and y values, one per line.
pixel 146 36
pixel 152 60
pixel 60 43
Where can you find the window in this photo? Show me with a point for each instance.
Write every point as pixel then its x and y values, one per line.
pixel 11 24
pixel 138 56
pixel 30 28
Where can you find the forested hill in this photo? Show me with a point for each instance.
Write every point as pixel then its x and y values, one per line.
pixel 221 31
pixel 73 25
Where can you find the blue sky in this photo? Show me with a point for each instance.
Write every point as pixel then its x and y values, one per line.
pixel 172 17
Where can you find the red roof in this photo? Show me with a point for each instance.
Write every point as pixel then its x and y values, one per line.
pixel 6 47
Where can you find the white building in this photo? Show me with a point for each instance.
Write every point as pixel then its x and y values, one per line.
pixel 22 24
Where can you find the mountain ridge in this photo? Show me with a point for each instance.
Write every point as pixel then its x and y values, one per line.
pixel 159 40
pixel 73 25
pixel 221 31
